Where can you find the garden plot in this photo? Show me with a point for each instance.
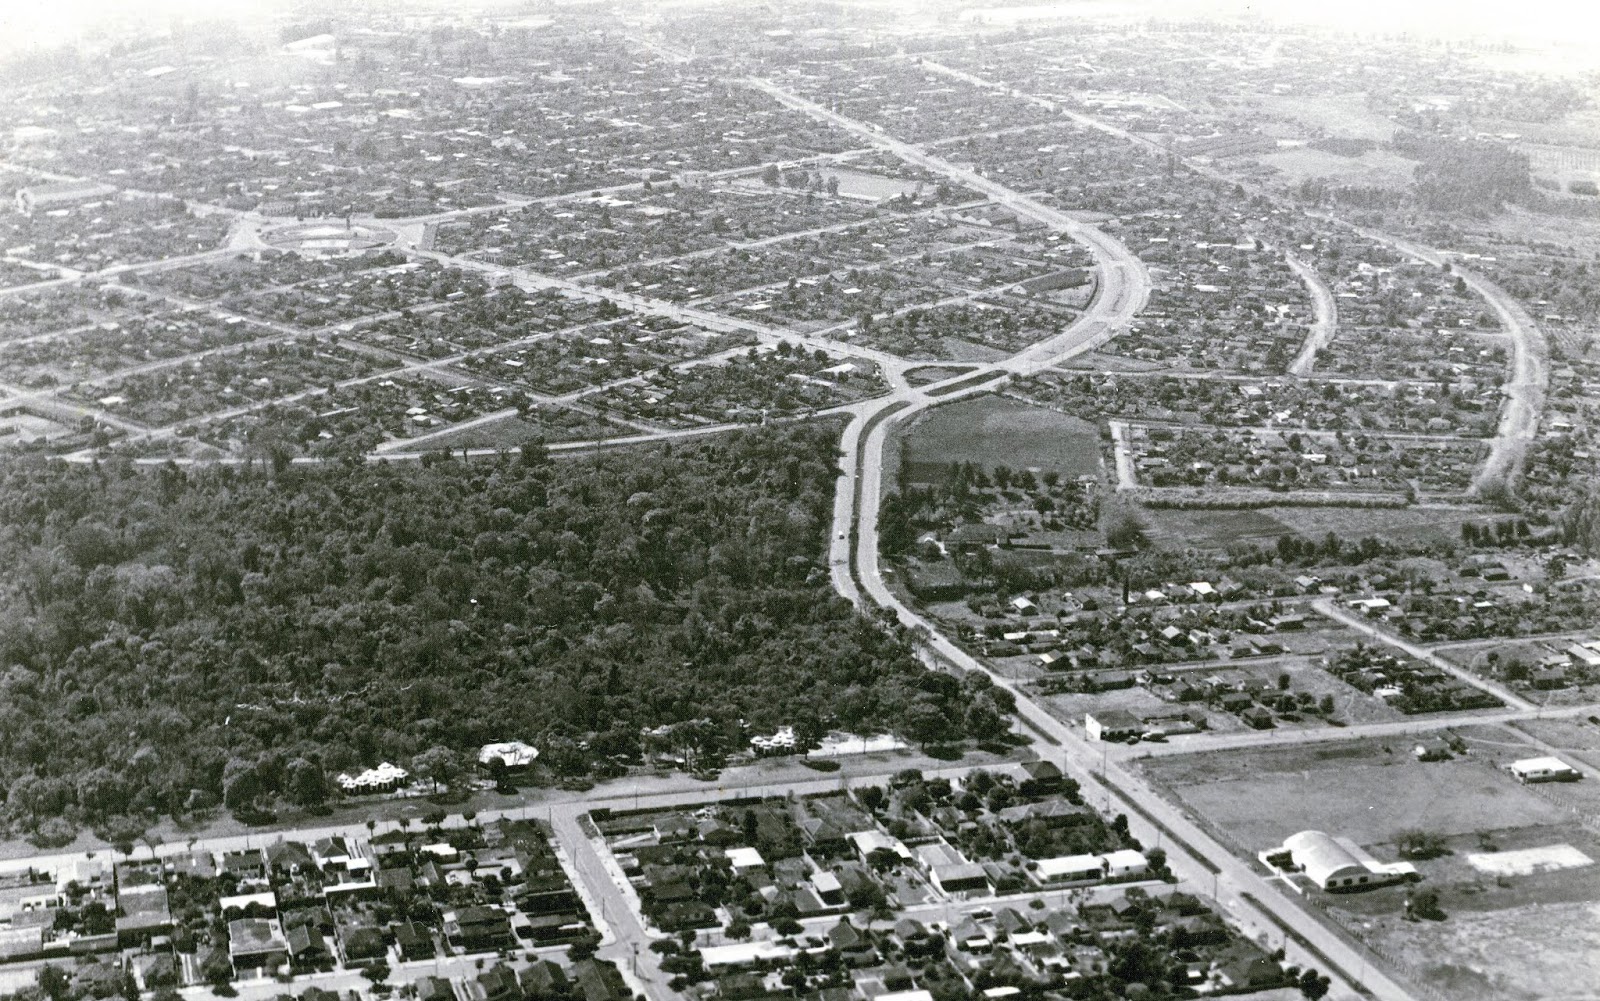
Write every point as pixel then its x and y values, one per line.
pixel 35 313
pixel 1475 362
pixel 544 423
pixel 1056 152
pixel 910 103
pixel 326 302
pixel 356 419
pixel 1214 306
pixel 14 273
pixel 888 237
pixel 865 294
pixel 700 276
pixel 1328 461
pixel 968 330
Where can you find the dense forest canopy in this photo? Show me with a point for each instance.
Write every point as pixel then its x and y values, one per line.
pixel 174 638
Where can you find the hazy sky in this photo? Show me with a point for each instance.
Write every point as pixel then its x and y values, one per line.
pixel 1574 21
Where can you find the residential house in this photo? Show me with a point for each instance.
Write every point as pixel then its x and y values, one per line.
pixel 543 981
pixel 361 945
pixel 414 941
pixel 478 928
pixel 498 983
pixel 256 944
pixel 308 950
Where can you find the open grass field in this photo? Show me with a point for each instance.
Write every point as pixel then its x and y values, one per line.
pixel 1577 739
pixel 935 373
pixel 991 431
pixel 1540 952
pixel 1222 528
pixel 1395 524
pixel 1582 235
pixel 876 187
pixel 1366 790
pixel 1505 938
pixel 1510 936
pixel 511 432
pixel 1344 115
pixel 1218 529
pixel 1375 168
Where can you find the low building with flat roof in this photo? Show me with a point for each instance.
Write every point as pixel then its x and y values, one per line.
pixel 1545 769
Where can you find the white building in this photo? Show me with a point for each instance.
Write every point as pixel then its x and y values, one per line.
pixel 43 196
pixel 384 778
pixel 1339 864
pixel 510 754
pixel 782 742
pixel 1547 769
pixel 743 859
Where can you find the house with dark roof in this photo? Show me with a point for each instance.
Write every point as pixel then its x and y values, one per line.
pixel 478 928
pixel 361 945
pixel 853 944
pixel 248 864
pixel 399 880
pixel 543 981
pixel 966 538
pixel 414 941
pixel 498 983
pixel 308 950
pixel 434 989
pixel 1040 778
pixel 598 981
pixel 287 858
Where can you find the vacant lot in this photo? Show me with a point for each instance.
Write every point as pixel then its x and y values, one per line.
pixel 1345 115
pixel 1398 525
pixel 1368 791
pixel 1219 529
pixel 1224 527
pixel 512 432
pixel 990 431
pixel 1543 952
pixel 1575 738
pixel 875 187
pixel 1521 937
pixel 1375 168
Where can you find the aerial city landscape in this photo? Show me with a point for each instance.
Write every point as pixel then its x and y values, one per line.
pixel 847 500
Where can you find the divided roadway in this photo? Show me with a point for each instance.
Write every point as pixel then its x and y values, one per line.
pixel 1194 856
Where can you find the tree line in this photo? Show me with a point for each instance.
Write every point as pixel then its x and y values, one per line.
pixel 173 638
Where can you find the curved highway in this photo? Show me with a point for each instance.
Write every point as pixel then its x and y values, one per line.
pixel 1123 289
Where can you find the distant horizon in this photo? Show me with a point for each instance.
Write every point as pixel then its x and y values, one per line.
pixel 44 23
